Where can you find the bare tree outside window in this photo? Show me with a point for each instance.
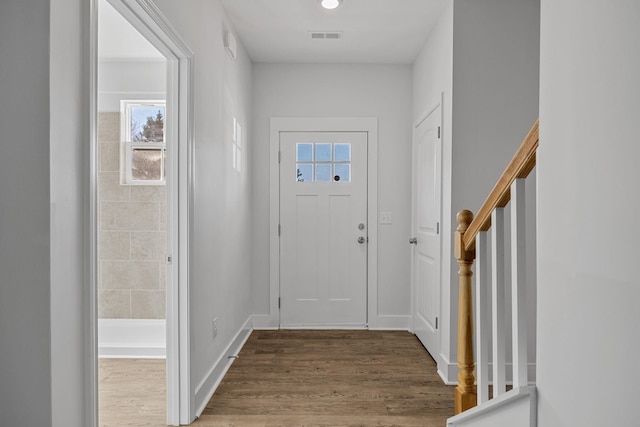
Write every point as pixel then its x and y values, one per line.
pixel 152 131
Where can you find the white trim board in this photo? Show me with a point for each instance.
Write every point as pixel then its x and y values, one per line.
pixel 386 322
pixel 325 124
pixel 132 338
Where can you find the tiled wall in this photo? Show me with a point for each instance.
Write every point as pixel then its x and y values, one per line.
pixel 131 236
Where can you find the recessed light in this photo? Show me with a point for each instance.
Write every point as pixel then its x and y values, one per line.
pixel 330 4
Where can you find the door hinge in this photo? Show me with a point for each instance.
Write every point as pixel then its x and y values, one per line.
pixel 436 323
pixel 437 228
pixel 279 230
pixel 438 132
pixel 169 259
pixel 278 302
pixel 279 156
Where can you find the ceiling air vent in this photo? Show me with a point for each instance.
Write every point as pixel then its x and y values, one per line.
pixel 325 35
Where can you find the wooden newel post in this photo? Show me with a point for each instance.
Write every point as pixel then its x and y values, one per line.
pixel 465 392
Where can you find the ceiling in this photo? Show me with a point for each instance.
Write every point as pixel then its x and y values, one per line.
pixel 118 40
pixel 373 31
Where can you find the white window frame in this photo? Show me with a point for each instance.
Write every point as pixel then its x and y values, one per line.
pixel 128 146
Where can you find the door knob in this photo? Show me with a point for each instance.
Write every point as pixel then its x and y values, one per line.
pixel 361 239
pixel 413 240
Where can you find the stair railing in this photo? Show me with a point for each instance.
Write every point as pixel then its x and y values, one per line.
pixel 471 242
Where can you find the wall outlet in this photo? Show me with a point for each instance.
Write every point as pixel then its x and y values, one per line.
pixel 214 324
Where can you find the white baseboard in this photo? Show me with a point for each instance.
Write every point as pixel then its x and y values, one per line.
pixel 132 338
pixel 379 323
pixel 390 323
pixel 214 377
pixel 448 371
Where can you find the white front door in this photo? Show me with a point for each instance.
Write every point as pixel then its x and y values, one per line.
pixel 323 219
pixel 426 226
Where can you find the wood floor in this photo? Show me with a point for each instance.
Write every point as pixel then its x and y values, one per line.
pixel 132 392
pixel 317 378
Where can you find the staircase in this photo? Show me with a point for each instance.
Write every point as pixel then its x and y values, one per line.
pixel 499 305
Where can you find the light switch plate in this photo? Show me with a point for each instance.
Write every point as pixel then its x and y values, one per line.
pixel 386 218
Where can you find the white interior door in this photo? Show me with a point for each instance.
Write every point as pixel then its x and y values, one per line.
pixel 323 226
pixel 426 226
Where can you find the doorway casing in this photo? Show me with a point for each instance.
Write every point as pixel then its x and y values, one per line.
pixel 322 124
pixel 146 18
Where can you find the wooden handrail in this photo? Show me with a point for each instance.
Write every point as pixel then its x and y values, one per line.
pixel 520 166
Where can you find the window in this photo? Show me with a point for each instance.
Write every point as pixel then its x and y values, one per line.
pixel 323 162
pixel 144 153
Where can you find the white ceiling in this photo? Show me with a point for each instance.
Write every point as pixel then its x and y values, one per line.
pixel 373 31
pixel 118 40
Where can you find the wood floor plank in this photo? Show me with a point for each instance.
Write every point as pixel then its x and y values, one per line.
pixel 299 378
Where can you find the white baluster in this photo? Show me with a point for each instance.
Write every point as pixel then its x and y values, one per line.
pixel 519 284
pixel 483 323
pixel 498 302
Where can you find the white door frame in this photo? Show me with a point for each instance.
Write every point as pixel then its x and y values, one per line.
pixel 323 124
pixel 152 24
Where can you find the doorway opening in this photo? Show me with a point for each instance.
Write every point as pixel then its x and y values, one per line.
pixel 141 197
pixel 132 220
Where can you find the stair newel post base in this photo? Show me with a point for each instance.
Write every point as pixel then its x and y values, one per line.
pixel 465 392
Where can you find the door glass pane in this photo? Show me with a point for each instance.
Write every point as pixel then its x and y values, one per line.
pixel 342 173
pixel 323 152
pixel 146 164
pixel 304 172
pixel 304 152
pixel 342 153
pixel 323 173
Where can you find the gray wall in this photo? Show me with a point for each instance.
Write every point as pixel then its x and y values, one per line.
pixel 69 127
pixel 143 79
pixel 588 175
pixel 25 388
pixel 221 274
pixel 322 90
pixel 496 45
pixel 484 56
